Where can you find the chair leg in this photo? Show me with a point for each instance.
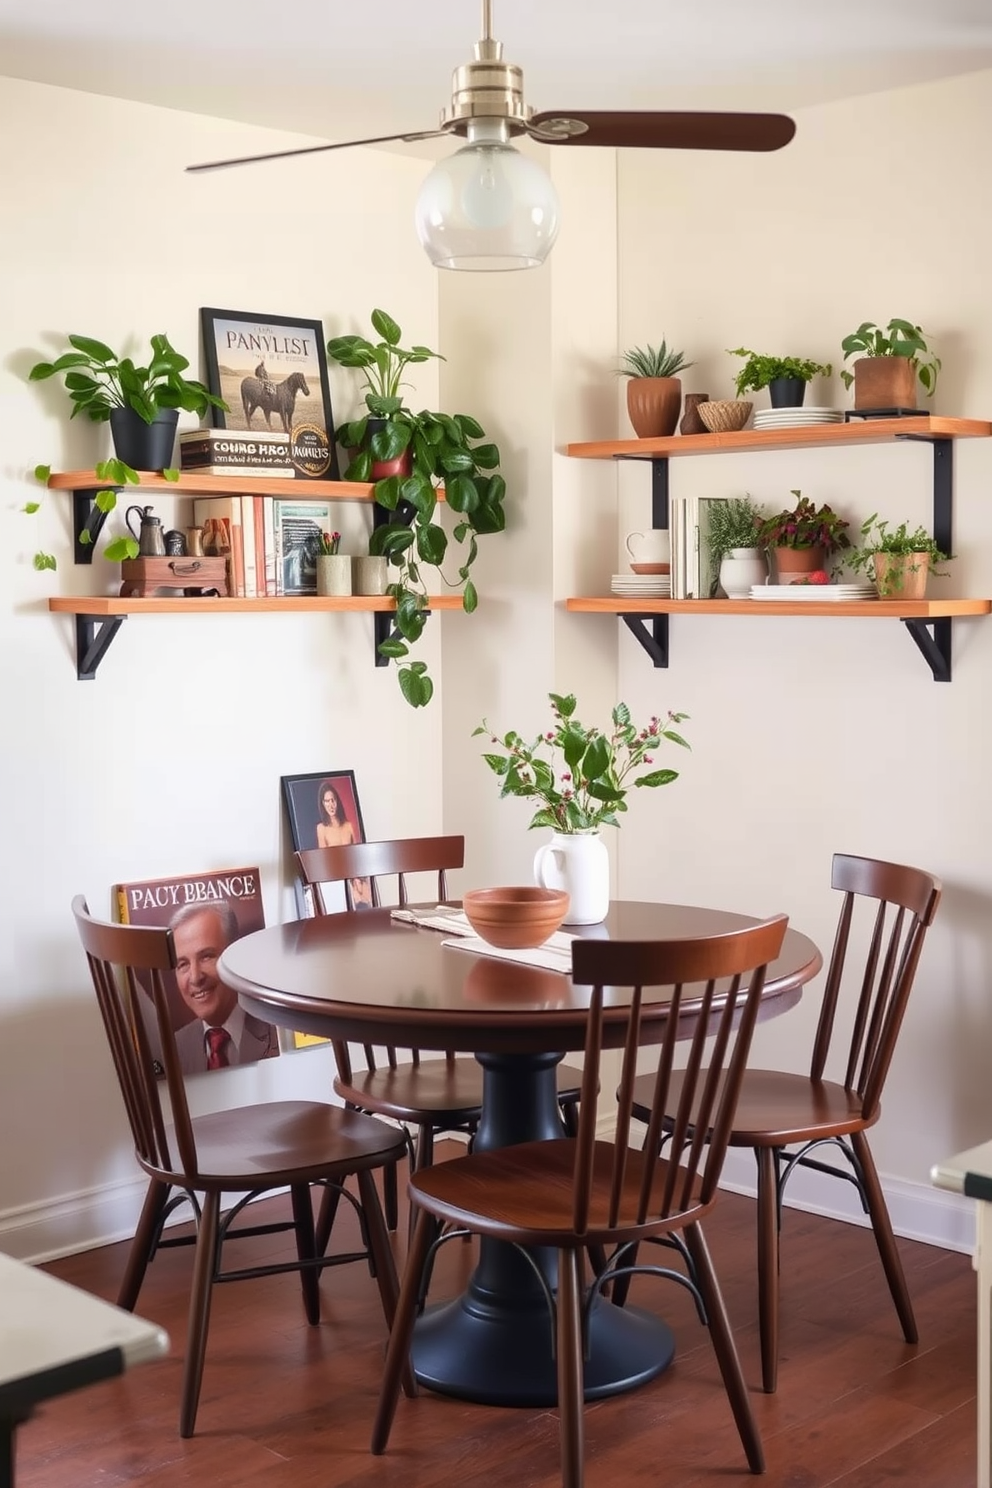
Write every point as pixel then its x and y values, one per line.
pixel 204 1269
pixel 725 1348
pixel 385 1266
pixel 620 1287
pixel 398 1352
pixel 569 1117
pixel 768 1264
pixel 141 1246
pixel 570 1386
pixel 306 1249
pixel 884 1238
pixel 330 1198
pixel 423 1159
pixel 390 1195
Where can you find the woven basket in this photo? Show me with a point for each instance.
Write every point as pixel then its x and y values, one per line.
pixel 725 415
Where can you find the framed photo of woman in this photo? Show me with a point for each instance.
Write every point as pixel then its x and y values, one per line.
pixel 324 811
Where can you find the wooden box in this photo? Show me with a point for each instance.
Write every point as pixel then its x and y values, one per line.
pixel 144 577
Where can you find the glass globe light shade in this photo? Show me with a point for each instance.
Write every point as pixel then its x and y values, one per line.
pixel 487 206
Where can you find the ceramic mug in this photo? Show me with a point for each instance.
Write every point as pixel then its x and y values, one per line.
pixel 653 546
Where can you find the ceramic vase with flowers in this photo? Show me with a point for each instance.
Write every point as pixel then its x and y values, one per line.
pixel 580 778
pixel 333 566
pixel 802 539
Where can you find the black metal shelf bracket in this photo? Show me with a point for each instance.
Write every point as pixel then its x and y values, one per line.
pixel 651 632
pixel 934 640
pixel 87 521
pixel 94 634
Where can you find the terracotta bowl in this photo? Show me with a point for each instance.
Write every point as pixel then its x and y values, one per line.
pixel 724 415
pixel 515 918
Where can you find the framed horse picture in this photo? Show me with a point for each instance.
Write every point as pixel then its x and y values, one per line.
pixel 271 371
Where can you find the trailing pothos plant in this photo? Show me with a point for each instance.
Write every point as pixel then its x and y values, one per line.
pixel 99 382
pixel 435 449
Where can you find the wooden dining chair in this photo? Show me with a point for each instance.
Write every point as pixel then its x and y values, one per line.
pixel 578 1192
pixel 785 1117
pixel 433 1095
pixel 247 1149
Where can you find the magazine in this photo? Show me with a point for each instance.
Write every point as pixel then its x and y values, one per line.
pixel 206 912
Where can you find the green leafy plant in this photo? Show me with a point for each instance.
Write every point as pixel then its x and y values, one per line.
pixel 652 361
pixel 805 526
pixel 98 381
pixel 734 523
pixel 877 537
pixel 759 370
pixel 439 449
pixel 580 776
pixel 900 338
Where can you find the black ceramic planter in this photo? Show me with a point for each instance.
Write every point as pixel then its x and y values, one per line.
pixel 787 392
pixel 144 446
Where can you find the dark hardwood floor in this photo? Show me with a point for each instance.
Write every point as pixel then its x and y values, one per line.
pixel 285 1405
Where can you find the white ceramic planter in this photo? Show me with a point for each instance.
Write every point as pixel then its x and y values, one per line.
pixel 578 863
pixel 741 568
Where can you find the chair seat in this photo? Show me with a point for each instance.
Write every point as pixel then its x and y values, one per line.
pixel 446 1093
pixel 526 1193
pixel 279 1142
pixel 776 1108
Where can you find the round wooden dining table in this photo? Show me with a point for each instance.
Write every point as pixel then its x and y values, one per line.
pixel 368 978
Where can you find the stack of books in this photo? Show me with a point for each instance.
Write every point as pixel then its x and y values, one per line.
pixel 271 543
pixel 235 452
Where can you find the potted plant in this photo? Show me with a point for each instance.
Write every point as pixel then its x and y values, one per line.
pixel 802 538
pixel 898 561
pixel 141 404
pixel 784 377
pixel 736 557
pixel 892 359
pixel 579 778
pixel 654 392
pixel 432 449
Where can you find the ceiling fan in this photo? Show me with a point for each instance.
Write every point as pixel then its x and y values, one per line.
pixel 489 206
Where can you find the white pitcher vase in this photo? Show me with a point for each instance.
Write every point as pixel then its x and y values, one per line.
pixel 578 863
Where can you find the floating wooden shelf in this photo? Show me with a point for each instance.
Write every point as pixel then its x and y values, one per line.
pixel 927 621
pixel 872 609
pixel 100 604
pixel 191 484
pixel 807 436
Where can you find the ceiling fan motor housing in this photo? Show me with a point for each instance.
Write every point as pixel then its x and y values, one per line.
pixel 487 88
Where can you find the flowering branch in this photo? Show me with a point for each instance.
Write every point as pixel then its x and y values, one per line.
pixel 587 786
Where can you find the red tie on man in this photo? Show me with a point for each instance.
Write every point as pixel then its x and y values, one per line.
pixel 217 1041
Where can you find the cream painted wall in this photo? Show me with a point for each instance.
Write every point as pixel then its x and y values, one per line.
pixel 170 760
pixel 815 736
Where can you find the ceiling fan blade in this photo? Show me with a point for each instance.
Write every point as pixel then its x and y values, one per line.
pixel 667 131
pixel 382 139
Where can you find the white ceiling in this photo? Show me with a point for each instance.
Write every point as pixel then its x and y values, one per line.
pixel 339 70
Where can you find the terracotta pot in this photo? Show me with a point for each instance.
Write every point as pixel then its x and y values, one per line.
pixel 901 575
pixel 884 382
pixel 691 422
pixel 793 563
pixel 653 405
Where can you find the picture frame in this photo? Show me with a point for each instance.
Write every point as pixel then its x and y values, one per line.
pixel 313 824
pixel 292 400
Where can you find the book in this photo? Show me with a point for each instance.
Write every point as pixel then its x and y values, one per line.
pixel 249 472
pixel 206 912
pixel 707 573
pixel 297 529
pixel 258 504
pixel 248 546
pixel 220 518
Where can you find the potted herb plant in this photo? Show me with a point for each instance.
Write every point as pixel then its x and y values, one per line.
pixel 654 392
pixel 141 404
pixel 892 360
pixel 784 377
pixel 898 561
pixel 578 778
pixel 432 449
pixel 802 538
pixel 736 556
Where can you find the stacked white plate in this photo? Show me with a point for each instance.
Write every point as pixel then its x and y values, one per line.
pixel 841 592
pixel 790 418
pixel 641 586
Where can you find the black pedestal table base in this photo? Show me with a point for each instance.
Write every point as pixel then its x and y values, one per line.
pixel 494 1344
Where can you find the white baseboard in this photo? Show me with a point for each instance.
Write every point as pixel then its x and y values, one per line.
pixel 103 1215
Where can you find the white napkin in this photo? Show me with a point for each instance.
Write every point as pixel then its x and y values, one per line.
pixel 442 917
pixel 554 955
